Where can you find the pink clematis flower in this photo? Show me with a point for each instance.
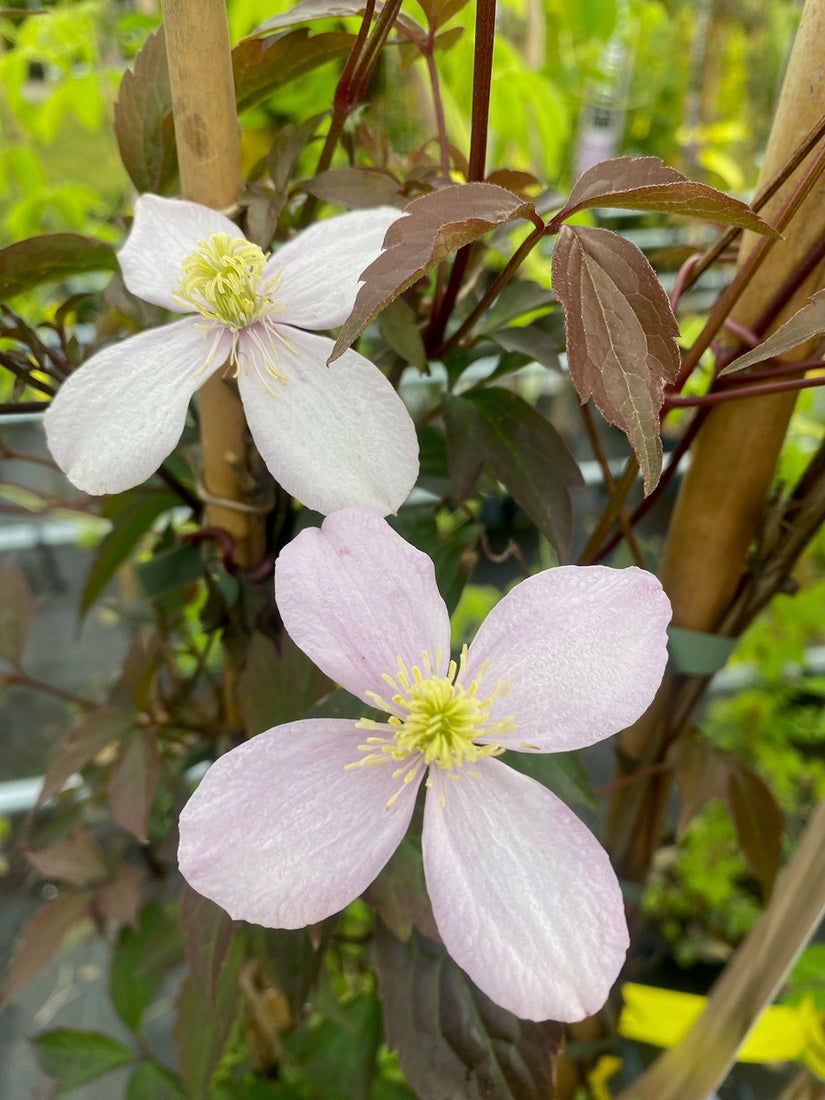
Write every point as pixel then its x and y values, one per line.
pixel 332 436
pixel 295 823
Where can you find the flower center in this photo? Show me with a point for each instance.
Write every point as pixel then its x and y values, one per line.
pixel 223 280
pixel 434 720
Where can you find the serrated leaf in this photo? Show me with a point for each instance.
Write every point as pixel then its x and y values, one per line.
pixel 702 772
pixel 261 66
pixel 397 326
pixel 758 821
pixel 144 127
pixel 75 1057
pixel 83 743
pixel 27 264
pixel 42 937
pixel 17 609
pixel 529 457
pixel 621 333
pixel 277 685
pixel 450 1038
pixel 202 1029
pixel 131 788
pixel 77 860
pixel 141 960
pixel 151 1081
pixel 433 227
pixel 134 516
pixel 208 933
pixel 355 188
pixel 805 324
pixel 645 183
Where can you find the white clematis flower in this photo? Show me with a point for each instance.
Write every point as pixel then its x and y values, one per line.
pixel 334 436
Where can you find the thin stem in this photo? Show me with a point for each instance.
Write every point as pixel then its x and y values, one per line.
pixel 718 397
pixel 611 512
pixel 24 680
pixel 438 106
pixel 7 408
pixel 610 484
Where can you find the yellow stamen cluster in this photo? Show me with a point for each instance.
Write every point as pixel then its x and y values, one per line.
pixel 223 281
pixel 434 720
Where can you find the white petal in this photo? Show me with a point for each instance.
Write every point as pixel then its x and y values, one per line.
pixel 355 596
pixel 281 833
pixel 583 648
pixel 119 415
pixel 163 234
pixel 523 895
pixel 334 437
pixel 321 266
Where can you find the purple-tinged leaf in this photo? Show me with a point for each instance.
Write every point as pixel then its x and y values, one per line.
pixel 77 860
pixel 531 460
pixel 805 324
pixel 290 959
pixel 450 1038
pixel 202 1029
pixel 83 743
pixel 17 609
pixel 542 339
pixel 132 785
pixel 137 674
pixel 52 256
pixel 287 146
pixel 399 894
pixel 356 188
pixel 702 772
pixel 76 1058
pixel 758 821
pixel 644 183
pixel 261 66
pixel 433 227
pixel 278 685
pixel 514 180
pixel 621 334
pixel 144 127
pixel 305 11
pixel 42 937
pixel 120 898
pixel 208 934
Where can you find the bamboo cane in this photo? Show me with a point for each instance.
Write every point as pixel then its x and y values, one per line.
pixel 208 141
pixel 722 498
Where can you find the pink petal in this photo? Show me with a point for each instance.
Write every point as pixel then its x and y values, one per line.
pixel 584 649
pixel 322 265
pixel 355 596
pixel 118 416
pixel 334 437
pixel 523 895
pixel 163 234
pixel 281 833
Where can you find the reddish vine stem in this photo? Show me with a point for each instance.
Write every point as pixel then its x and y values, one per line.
pixel 482 83
pixel 24 680
pixel 610 484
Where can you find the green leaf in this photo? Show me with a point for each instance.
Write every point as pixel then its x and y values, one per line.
pixel 142 959
pixel 135 513
pixel 465 453
pixel 76 1057
pixel 452 1041
pixel 208 933
pixel 262 65
pixel 397 326
pixel 151 1081
pixel 169 570
pixel 278 686
pixel 531 460
pixel 563 773
pixel 337 1057
pixel 144 127
pixel 52 256
pixel 399 894
pixel 696 653
pixel 203 1028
